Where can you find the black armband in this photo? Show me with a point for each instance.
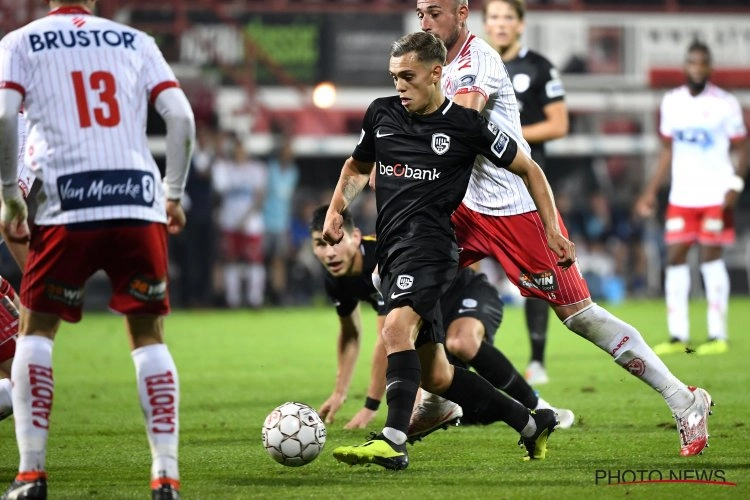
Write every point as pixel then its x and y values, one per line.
pixel 372 404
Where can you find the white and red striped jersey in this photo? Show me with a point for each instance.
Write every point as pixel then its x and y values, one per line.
pixel 701 128
pixel 86 83
pixel 478 68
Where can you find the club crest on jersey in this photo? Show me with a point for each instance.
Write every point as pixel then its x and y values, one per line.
pixel 521 83
pixel 441 143
pixel 404 281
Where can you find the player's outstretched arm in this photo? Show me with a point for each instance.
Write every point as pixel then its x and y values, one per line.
pixel 347 351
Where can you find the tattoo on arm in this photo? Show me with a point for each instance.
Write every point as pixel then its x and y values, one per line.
pixel 349 188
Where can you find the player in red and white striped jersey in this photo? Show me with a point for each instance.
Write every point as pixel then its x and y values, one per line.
pixel 702 127
pixel 498 219
pixel 85 83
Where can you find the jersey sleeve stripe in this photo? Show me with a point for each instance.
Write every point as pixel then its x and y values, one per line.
pixel 158 89
pixel 14 86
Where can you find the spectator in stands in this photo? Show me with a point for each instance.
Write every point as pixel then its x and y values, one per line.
pixel 200 230
pixel 283 175
pixel 241 184
pixel 701 126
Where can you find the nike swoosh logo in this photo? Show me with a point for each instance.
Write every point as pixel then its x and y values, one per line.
pixel 379 135
pixel 395 295
pixel 22 490
pixel 461 311
pixel 392 383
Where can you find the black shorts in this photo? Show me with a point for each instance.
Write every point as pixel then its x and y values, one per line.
pixel 419 279
pixel 472 296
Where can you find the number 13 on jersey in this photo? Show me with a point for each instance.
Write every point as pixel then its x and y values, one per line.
pixel 106 111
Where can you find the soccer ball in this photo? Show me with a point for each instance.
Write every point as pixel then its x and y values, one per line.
pixel 294 434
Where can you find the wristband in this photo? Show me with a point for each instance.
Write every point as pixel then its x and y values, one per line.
pixel 372 404
pixel 737 183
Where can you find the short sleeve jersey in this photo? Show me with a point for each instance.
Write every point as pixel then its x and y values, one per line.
pixel 423 164
pixel 86 83
pixel 536 83
pixel 347 291
pixel 701 128
pixel 478 68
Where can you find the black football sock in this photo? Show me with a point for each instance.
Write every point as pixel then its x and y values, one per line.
pixel 492 364
pixel 537 318
pixel 402 383
pixel 483 403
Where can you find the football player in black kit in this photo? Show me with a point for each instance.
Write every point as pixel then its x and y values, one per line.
pixel 472 312
pixel 423 147
pixel 544 117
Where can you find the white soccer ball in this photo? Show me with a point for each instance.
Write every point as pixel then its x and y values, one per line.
pixel 294 434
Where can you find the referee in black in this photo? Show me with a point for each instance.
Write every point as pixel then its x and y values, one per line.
pixel 423 147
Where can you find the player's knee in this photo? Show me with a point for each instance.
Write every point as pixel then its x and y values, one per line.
pixel 463 347
pixel 438 379
pixel 464 341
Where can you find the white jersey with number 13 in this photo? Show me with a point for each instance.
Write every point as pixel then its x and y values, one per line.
pixel 86 83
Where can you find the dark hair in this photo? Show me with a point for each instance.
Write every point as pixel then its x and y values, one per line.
pixel 699 46
pixel 518 5
pixel 427 46
pixel 319 218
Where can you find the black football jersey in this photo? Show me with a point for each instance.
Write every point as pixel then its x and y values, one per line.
pixel 347 291
pixel 423 164
pixel 536 83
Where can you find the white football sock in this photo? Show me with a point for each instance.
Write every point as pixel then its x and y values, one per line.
pixel 395 435
pixel 6 398
pixel 716 281
pixel 530 428
pixel 255 276
pixel 233 285
pixel 630 351
pixel 677 293
pixel 159 394
pixel 33 393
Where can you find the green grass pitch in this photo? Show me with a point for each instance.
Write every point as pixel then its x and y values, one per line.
pixel 237 366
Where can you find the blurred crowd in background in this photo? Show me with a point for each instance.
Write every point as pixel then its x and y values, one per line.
pixel 248 68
